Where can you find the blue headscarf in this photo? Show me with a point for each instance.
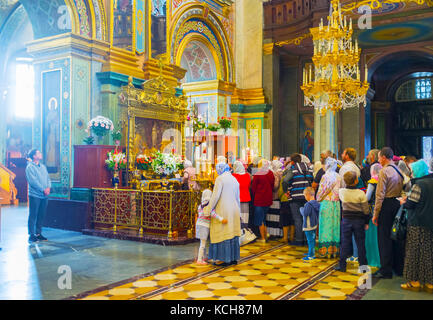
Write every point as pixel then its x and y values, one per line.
pixel 419 168
pixel 221 168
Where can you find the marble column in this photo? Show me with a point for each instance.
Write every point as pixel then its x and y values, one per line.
pixel 325 133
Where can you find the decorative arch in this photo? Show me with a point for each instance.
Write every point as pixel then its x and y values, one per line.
pixel 191 21
pixel 198 60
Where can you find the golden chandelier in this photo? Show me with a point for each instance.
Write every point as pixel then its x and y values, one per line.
pixel 335 82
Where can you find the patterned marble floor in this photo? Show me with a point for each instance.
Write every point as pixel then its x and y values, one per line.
pixel 266 272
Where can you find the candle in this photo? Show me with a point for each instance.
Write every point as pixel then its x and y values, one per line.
pixel 356 45
pixel 345 22
pixel 366 73
pixel 357 72
pixel 309 74
pixel 303 77
pixel 350 25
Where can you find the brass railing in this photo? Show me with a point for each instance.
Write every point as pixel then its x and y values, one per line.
pixel 161 212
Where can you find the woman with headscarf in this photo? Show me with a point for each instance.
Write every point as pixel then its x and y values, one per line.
pixel 188 176
pixel 329 214
pixel 262 189
pixel 244 181
pixel 418 264
pixel 371 244
pixel 274 209
pixel 224 238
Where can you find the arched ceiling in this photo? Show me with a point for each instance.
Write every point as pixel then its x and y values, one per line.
pixel 6 7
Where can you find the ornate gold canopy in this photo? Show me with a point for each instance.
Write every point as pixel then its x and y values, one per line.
pixel 155 100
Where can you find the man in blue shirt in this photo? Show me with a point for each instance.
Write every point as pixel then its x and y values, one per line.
pixel 39 189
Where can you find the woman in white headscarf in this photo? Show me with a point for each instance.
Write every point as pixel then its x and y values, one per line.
pixel 274 209
pixel 244 181
pixel 329 215
pixel 224 238
pixel 188 176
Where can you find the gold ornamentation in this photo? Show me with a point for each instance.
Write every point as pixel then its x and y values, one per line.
pixel 375 4
pixel 336 84
pixel 296 41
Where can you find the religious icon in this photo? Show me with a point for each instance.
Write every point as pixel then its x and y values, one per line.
pixel 52 132
pixel 306 129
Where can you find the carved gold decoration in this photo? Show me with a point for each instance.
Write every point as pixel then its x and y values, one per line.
pixel 296 41
pixel 162 212
pixel 155 100
pixel 336 83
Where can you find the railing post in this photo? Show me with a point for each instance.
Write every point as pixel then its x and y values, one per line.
pixel 170 227
pixel 115 208
pixel 141 213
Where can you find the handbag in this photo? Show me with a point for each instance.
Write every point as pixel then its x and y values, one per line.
pixel 399 227
pixel 246 236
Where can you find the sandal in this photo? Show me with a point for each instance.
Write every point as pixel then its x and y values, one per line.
pixel 410 287
pixel 428 288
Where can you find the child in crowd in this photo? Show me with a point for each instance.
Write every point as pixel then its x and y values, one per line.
pixel 310 213
pixel 356 215
pixel 202 225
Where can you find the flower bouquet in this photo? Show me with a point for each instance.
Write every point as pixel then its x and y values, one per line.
pixel 116 160
pixel 116 137
pixel 225 123
pixel 100 126
pixel 143 162
pixel 213 127
pixel 166 164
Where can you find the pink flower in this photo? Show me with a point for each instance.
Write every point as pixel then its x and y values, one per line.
pixel 102 125
pixel 87 130
pixel 96 124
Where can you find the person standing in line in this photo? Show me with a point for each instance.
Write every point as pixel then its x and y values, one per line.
pixel 310 215
pixel 389 188
pixel 323 156
pixel 372 158
pixel 356 216
pixel 244 181
pixel 299 177
pixel 329 217
pixel 39 190
pixel 418 265
pixel 371 245
pixel 262 189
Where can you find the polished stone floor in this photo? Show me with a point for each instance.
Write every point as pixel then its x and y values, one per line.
pixel 30 272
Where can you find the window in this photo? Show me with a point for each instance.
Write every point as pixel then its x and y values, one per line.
pixel 415 89
pixel 24 90
pixel 423 88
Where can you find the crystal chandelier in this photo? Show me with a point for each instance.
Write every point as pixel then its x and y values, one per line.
pixel 335 82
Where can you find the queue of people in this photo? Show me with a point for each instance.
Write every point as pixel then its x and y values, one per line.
pixel 349 209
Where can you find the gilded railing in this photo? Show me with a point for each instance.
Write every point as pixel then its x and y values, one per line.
pixel 158 212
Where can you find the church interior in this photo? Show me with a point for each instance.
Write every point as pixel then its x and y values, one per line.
pixel 115 94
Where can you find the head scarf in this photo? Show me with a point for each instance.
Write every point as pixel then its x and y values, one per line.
pixel 264 165
pixel 238 167
pixel 276 165
pixel 404 168
pixel 330 165
pixel 256 160
pixel 419 168
pixel 305 159
pixel 221 168
pixel 205 196
pixel 317 167
pixel 396 158
pixel 187 164
pixel 374 170
pixel 221 159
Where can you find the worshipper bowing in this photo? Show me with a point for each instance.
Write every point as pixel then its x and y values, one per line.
pixel 224 238
pixel 418 263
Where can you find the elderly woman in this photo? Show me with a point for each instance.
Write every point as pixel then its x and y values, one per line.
pixel 418 264
pixel 262 189
pixel 244 181
pixel 224 238
pixel 329 214
pixel 188 176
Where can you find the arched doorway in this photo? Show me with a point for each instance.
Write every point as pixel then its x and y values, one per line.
pixel 402 108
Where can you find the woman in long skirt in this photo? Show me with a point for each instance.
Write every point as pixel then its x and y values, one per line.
pixel 371 244
pixel 329 214
pixel 224 238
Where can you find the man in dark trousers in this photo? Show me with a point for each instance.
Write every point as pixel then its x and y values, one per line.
pixel 389 188
pixel 39 189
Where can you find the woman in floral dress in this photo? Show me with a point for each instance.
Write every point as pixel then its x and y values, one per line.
pixel 329 215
